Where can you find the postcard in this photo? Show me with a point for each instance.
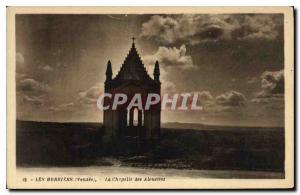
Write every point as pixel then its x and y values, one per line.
pixel 150 98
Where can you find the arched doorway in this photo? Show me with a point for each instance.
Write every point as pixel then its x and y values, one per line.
pixel 136 117
pixel 135 122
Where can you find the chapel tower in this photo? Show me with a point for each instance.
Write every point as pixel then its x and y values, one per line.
pixel 131 79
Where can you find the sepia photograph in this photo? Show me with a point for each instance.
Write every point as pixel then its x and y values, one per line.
pixel 150 98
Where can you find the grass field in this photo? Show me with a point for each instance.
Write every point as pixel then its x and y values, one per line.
pixel 204 147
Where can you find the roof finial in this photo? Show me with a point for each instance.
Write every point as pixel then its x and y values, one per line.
pixel 133 38
pixel 156 72
pixel 108 71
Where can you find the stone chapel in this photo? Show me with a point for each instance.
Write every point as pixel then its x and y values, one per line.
pixel 132 78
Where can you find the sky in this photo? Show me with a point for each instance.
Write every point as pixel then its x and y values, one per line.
pixel 234 62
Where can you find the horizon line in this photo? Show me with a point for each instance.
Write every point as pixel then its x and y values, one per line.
pixel 222 125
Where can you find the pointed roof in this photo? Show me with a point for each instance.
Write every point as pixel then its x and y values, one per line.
pixel 133 68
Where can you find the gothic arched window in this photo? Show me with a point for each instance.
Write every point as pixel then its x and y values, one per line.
pixel 135 116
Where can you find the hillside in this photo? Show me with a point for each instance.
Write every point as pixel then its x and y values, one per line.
pixel 80 144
